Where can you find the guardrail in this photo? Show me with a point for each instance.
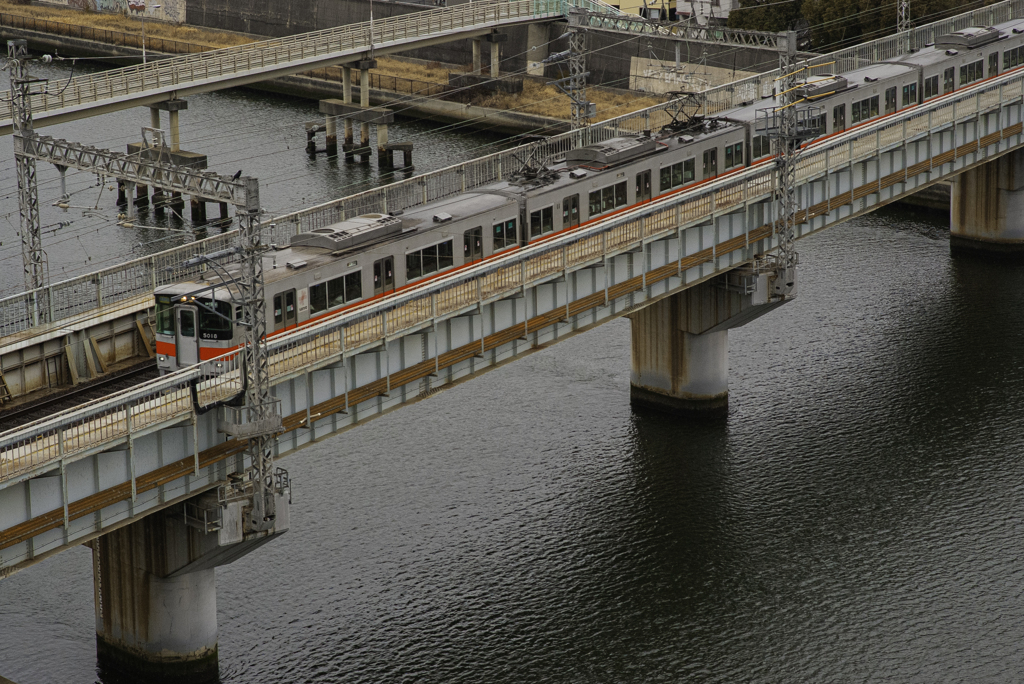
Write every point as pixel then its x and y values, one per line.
pixel 93 426
pixel 177 73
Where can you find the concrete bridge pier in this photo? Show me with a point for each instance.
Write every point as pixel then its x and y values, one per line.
pixel 155 586
pixel 346 94
pixel 987 208
pixel 680 349
pixel 496 39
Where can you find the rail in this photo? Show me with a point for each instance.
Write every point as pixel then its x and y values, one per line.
pixel 287 55
pixel 95 426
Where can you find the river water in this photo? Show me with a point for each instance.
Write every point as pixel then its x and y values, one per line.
pixel 856 517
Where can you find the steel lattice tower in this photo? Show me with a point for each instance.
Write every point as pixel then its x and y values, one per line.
pixel 258 403
pixel 578 76
pixel 902 16
pixel 787 150
pixel 28 193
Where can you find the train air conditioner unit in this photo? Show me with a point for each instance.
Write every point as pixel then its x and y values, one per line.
pixel 350 232
pixel 611 151
pixel 968 38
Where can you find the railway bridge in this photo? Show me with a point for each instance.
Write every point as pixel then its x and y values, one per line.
pixel 684 268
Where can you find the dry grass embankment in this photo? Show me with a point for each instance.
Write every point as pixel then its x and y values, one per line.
pixel 536 98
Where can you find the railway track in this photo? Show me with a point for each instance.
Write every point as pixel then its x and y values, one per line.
pixel 46 406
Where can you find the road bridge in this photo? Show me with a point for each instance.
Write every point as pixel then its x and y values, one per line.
pixel 684 268
pixel 179 77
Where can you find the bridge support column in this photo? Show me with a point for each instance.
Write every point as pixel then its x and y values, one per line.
pixel 496 39
pixel 346 95
pixel 987 207
pixel 364 102
pixel 155 589
pixel 537 48
pixel 675 370
pixel 681 343
pixel 477 62
pixel 332 135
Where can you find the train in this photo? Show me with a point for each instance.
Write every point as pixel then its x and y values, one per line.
pixel 335 268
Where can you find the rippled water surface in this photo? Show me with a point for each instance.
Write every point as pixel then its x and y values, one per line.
pixel 857 517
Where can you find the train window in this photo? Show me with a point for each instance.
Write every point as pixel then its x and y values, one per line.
pixel 335 292
pixel 212 326
pixel 608 198
pixel 760 146
pixel 675 175
pixel 993 64
pixel 428 260
pixel 164 315
pixel 931 87
pixel 689 170
pixel 542 221
pixel 571 211
pixel 1012 58
pixel 710 163
pixel 504 234
pixel 472 244
pixel 948 84
pixel 733 155
pixel 969 73
pixel 909 94
pixel 353 286
pixel 188 323
pixel 864 110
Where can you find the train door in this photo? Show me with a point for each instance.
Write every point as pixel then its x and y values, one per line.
pixel 186 341
pixel 571 211
pixel 383 275
pixel 643 186
pixel 839 118
pixel 473 245
pixel 284 310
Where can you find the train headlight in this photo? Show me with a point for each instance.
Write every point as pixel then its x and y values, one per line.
pixel 161 359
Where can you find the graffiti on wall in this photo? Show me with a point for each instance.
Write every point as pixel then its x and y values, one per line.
pixel 165 10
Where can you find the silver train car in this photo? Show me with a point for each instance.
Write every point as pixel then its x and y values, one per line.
pixel 359 260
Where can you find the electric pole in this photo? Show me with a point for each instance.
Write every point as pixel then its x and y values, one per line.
pixel 28 193
pixel 264 420
pixel 787 148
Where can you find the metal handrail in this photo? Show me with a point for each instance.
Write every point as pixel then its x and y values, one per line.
pixel 170 398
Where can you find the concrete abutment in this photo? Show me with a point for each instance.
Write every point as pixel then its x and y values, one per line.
pixel 987 208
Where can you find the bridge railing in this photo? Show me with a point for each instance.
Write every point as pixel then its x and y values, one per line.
pixel 95 425
pixel 296 50
pixel 78 297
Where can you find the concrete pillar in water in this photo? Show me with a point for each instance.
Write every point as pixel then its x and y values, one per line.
pixel 142 195
pixel 332 136
pixel 385 156
pixel 674 370
pixel 154 117
pixel 175 134
pixel 155 589
pixel 346 95
pixel 364 102
pixel 197 211
pixel 680 346
pixel 477 62
pixel 987 207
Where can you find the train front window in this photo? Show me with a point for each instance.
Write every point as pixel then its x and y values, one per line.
pixel 212 326
pixel 164 315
